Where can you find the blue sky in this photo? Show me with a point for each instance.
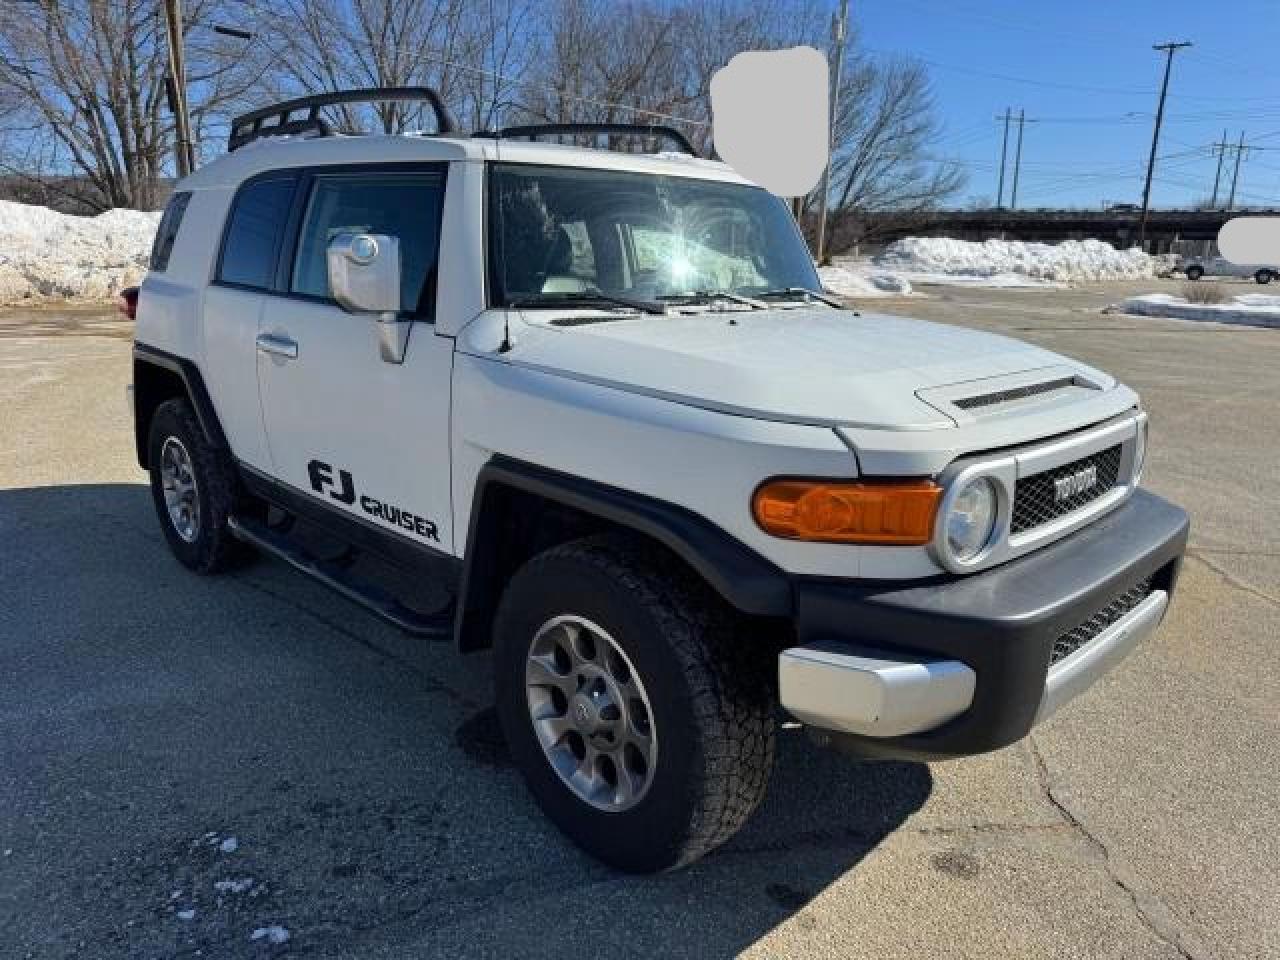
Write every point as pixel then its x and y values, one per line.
pixel 1086 72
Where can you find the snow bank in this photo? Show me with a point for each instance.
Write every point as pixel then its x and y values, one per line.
pixel 1255 309
pixel 848 281
pixel 1013 262
pixel 46 255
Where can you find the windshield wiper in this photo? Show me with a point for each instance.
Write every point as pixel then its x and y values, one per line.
pixel 586 297
pixel 804 292
pixel 695 295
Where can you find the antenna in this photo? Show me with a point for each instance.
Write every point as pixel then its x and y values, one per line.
pixel 505 346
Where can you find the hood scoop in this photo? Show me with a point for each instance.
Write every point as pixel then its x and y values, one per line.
pixel 1010 395
pixel 1013 393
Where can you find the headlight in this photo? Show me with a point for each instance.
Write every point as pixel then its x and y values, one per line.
pixel 971 519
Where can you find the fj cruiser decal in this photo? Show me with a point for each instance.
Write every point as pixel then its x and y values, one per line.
pixel 343 489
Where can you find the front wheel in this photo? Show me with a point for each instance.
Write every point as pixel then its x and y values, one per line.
pixel 1195 273
pixel 1262 276
pixel 640 719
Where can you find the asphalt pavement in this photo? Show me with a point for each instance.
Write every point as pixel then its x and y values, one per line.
pixel 186 762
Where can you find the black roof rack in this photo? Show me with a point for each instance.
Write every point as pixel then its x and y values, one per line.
pixel 536 130
pixel 250 126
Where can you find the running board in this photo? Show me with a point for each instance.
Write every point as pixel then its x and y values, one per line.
pixel 434 626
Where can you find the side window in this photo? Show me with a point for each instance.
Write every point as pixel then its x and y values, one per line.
pixel 167 232
pixel 253 233
pixel 402 205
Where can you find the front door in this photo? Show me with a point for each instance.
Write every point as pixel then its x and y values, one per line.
pixel 361 435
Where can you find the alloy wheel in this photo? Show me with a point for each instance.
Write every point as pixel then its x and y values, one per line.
pixel 591 713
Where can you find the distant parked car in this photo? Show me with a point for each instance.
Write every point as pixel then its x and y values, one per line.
pixel 1123 208
pixel 1197 267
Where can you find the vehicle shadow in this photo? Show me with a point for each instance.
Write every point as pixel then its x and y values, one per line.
pixel 189 760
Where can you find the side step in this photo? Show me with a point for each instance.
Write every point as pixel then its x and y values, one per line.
pixel 436 626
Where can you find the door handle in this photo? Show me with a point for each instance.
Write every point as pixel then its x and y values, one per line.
pixel 277 346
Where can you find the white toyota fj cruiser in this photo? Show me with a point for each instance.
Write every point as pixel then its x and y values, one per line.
pixel 601 398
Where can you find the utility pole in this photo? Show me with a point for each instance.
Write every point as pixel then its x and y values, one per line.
pixel 1235 176
pixel 841 26
pixel 185 149
pixel 1017 161
pixel 1221 149
pixel 1169 50
pixel 1004 152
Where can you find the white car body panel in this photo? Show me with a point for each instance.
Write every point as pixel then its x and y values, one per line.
pixel 385 424
pixel 814 366
pixel 705 461
pixel 231 322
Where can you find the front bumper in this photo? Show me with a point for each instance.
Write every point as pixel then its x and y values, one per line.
pixel 961 665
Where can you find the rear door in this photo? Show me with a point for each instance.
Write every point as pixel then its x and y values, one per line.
pixel 243 278
pixel 346 428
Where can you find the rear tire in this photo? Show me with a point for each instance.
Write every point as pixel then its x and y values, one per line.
pixel 1263 276
pixel 193 486
pixel 1195 273
pixel 672 674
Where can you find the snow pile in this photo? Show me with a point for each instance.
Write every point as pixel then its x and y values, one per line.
pixel 845 280
pixel 49 255
pixel 1255 309
pixel 1013 262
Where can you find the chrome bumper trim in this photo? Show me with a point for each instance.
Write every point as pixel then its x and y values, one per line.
pixel 870 696
pixel 1078 672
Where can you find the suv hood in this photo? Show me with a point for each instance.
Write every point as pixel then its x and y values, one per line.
pixel 802 365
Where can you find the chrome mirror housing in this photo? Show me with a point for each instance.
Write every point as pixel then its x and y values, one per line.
pixel 364 277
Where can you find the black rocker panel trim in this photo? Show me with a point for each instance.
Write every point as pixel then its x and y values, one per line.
pixel 387 544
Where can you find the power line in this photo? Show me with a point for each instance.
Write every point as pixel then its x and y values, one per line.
pixel 1221 150
pixel 1004 151
pixel 1109 37
pixel 840 26
pixel 1169 50
pixel 1017 163
pixel 1235 177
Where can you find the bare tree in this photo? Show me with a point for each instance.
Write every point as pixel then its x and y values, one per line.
pixel 607 63
pixel 649 62
pixel 86 77
pixel 474 52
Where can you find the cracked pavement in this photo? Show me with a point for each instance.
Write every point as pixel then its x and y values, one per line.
pixel 148 716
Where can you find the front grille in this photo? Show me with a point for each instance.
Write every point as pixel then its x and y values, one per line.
pixel 1035 500
pixel 1121 606
pixel 1014 393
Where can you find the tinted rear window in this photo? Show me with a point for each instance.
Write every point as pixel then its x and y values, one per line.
pixel 253 233
pixel 167 232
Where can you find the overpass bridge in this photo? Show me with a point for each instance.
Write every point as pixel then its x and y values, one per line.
pixel 1182 231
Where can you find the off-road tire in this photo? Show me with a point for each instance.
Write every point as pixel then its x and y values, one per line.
pixel 710 687
pixel 1195 273
pixel 213 548
pixel 1263 276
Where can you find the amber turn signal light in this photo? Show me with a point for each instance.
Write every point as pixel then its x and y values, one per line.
pixel 897 513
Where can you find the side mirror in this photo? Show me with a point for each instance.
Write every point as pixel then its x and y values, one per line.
pixel 364 277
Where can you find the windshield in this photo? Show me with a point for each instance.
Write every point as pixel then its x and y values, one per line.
pixel 559 233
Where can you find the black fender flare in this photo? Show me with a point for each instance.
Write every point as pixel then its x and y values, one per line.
pixel 144 405
pixel 746 580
